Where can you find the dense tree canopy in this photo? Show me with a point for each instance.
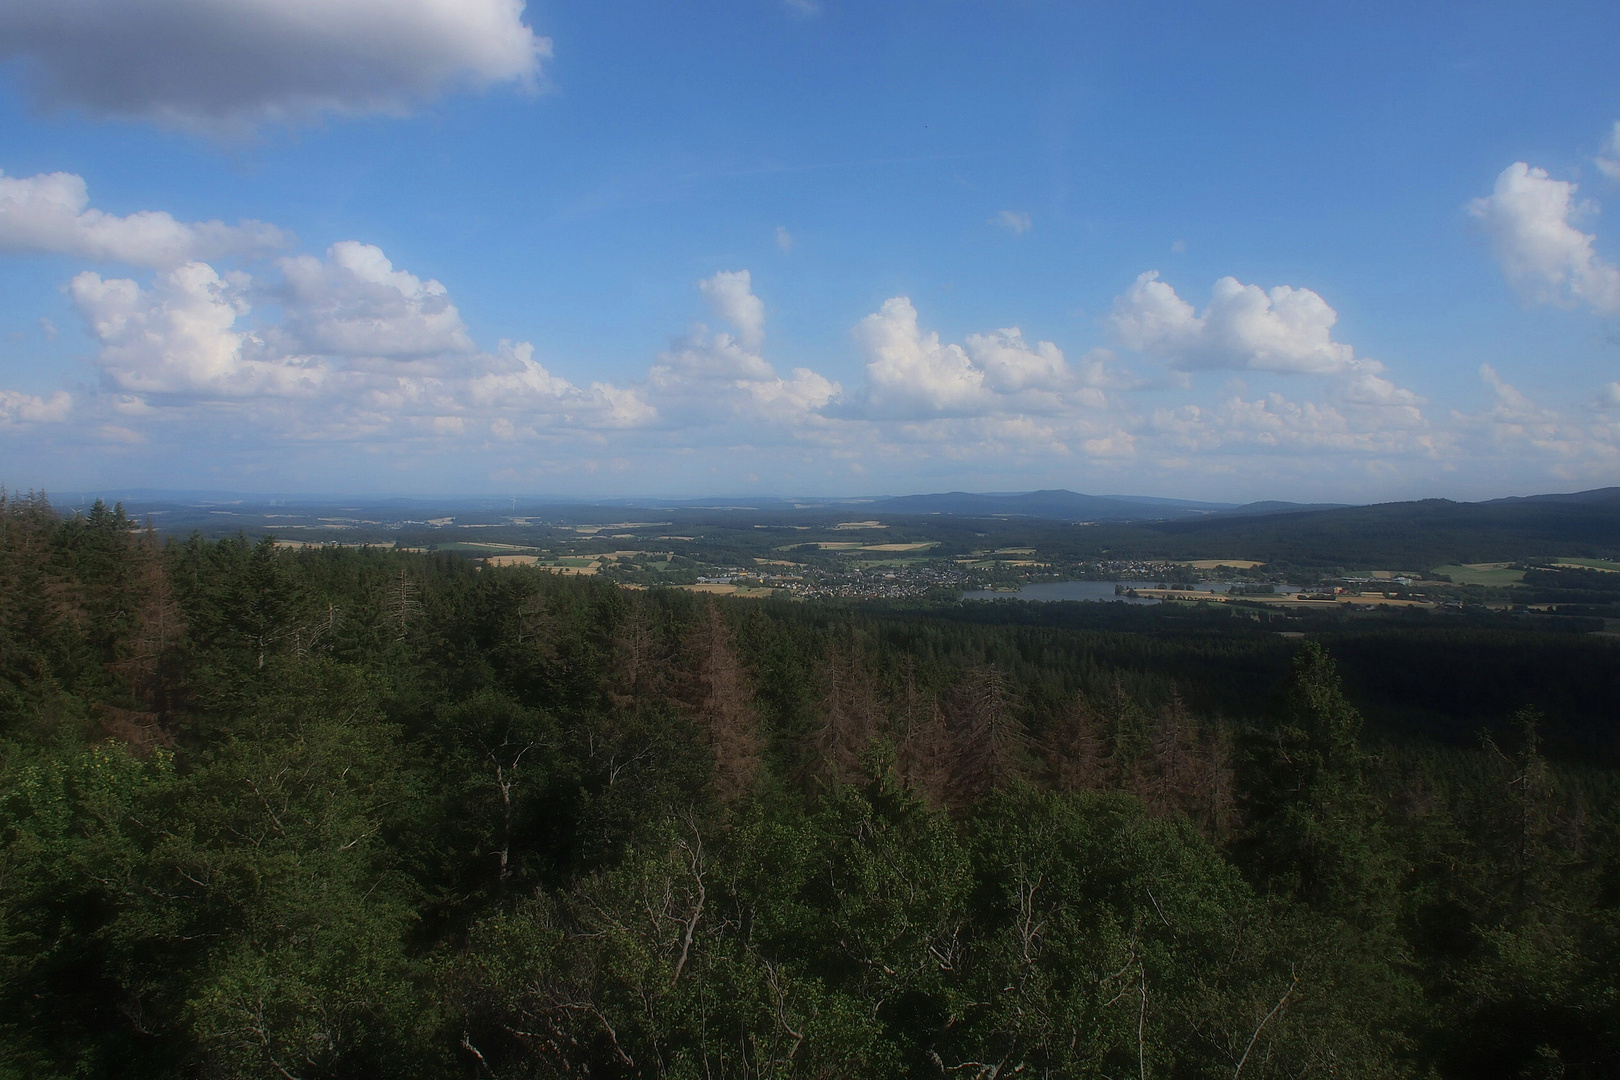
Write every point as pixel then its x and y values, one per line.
pixel 351 812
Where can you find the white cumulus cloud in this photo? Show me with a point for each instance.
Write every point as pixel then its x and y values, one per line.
pixel 912 373
pixel 1011 365
pixel 731 295
pixel 354 303
pixel 51 214
pixel 517 386
pixel 228 65
pixel 17 408
pixel 1243 326
pixel 1529 217
pixel 179 336
pixel 705 379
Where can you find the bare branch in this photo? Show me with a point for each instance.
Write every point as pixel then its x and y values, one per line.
pixel 1244 1060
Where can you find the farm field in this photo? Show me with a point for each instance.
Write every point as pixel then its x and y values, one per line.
pixel 1591 564
pixel 1490 574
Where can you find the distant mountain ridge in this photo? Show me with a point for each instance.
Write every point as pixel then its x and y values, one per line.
pixel 1055 504
pixel 1059 504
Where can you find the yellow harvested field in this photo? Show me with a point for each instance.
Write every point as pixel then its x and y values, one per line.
pixel 747 592
pixel 920 546
pixel 776 562
pixel 1590 564
pixel 589 529
pixel 512 560
pixel 1216 564
pixel 1384 601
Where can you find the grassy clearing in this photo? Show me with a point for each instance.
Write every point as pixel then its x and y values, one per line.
pixel 1495 574
pixel 1216 564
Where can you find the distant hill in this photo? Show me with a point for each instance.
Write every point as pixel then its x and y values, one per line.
pixel 1272 506
pixel 1402 535
pixel 1595 497
pixel 1057 505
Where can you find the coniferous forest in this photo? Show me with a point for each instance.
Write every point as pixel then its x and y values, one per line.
pixel 360 813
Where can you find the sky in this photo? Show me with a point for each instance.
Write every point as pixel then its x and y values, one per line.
pixel 810 247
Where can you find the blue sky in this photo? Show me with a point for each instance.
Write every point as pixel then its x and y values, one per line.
pixel 448 246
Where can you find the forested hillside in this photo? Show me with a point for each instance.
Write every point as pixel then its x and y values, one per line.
pixel 356 813
pixel 1412 535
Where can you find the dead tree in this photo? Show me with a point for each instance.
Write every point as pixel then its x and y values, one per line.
pixel 725 705
pixel 403 605
pixel 990 740
pixel 849 714
pixel 1076 752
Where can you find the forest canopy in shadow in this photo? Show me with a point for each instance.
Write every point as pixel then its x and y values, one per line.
pixel 356 813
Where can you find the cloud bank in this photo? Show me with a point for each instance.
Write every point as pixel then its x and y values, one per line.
pixel 51 214
pixel 226 66
pixel 341 361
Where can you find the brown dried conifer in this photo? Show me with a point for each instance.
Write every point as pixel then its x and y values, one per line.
pixel 990 739
pixel 725 707
pixel 157 626
pixel 850 713
pixel 926 746
pixel 641 669
pixel 1076 753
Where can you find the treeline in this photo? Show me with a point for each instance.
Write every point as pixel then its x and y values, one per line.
pixel 1396 536
pixel 1414 674
pixel 349 813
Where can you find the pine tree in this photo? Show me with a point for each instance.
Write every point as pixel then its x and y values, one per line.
pixel 1311 823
